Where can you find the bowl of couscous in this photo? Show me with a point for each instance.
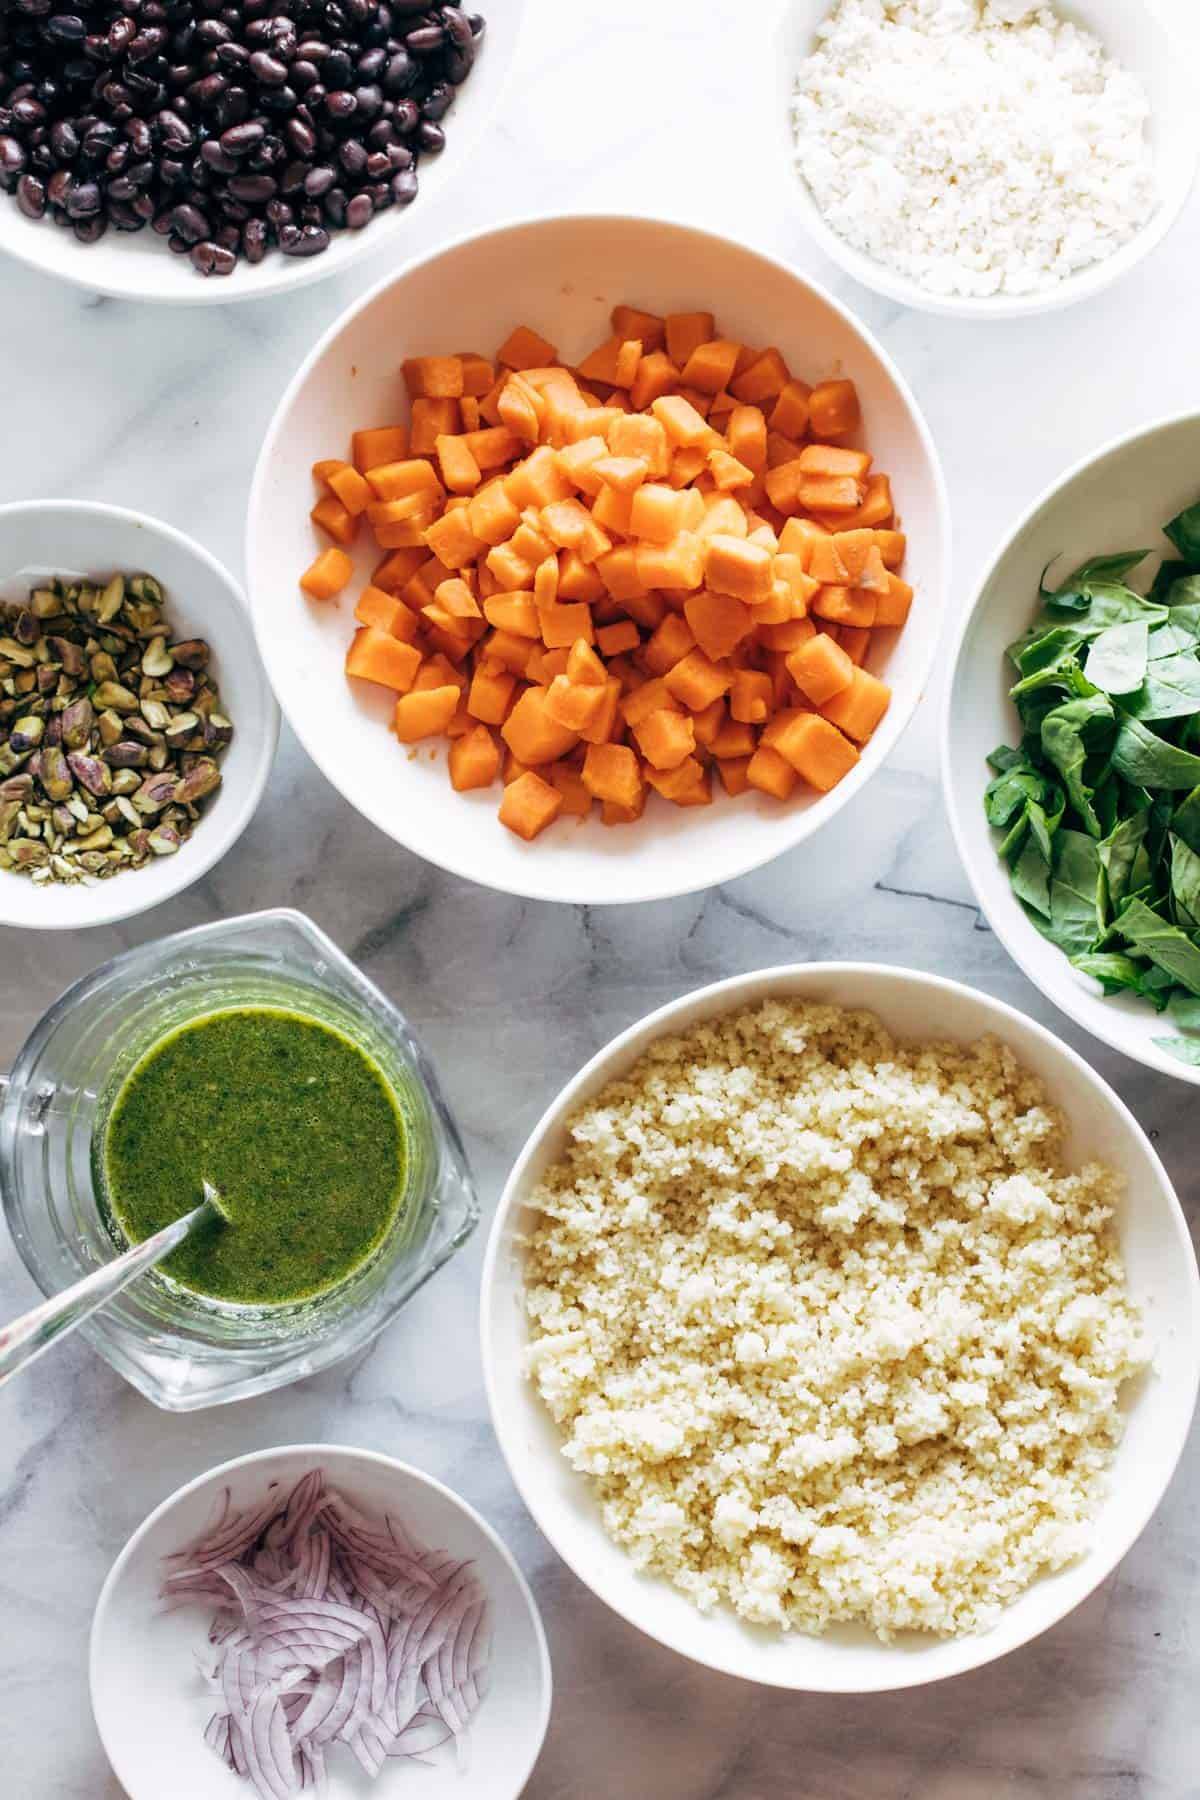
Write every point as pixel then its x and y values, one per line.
pixel 841 1327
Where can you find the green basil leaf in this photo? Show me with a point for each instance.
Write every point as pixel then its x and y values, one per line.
pixel 1186 1049
pixel 1097 569
pixel 1184 532
pixel 1150 761
pixel 1031 879
pixel 1185 1010
pixel 1116 662
pixel 1005 757
pixel 1119 857
pixel 1164 943
pixel 1115 973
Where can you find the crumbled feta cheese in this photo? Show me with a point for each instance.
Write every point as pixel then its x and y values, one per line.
pixel 976 147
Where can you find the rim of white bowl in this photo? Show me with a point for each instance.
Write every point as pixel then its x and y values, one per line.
pixel 194 866
pixel 395 1466
pixel 293 272
pixel 1012 938
pixel 656 1023
pixel 1085 284
pixel 858 776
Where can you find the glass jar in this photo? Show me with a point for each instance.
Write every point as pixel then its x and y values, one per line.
pixel 181 1350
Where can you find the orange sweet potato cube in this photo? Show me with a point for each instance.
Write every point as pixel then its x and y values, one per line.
pixel 529 805
pixel 624 473
pixel 718 621
pixel 474 760
pixel 433 377
pixel 532 733
pixel 578 580
pixel 637 434
pixel 820 668
pixel 892 608
pixel 733 774
pixel 521 409
pixel 763 379
pixel 377 656
pixel 605 724
pixel 735 738
pixel 735 566
pixel 791 412
pixel 682 423
pixel 573 705
pixel 833 409
pixel 584 666
pixel 382 444
pixel 515 612
pixel 334 519
pixel 460 471
pixel 612 772
pixel 511 650
pixel 492 517
pixel 455 597
pixel 601 363
pixel 452 540
pixel 578 462
pixel 432 419
pixel 615 640
pixel 492 688
pixel 750 697
pixel 327 575
pixel 656 375
pixel 665 738
pixel 524 348
pixel 845 606
pixel 424 713
pixel 858 708
pixel 350 488
pixel 561 624
pixel 834 460
pixel 697 681
pixel 631 322
pixel 710 366
pixel 493 446
pixel 727 472
pixel 659 513
pixel 685 332
pixel 770 773
pixel 817 751
pixel 576 801
pixel 667 644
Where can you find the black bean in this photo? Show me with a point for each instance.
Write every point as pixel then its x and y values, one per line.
pixel 404 187
pixel 213 259
pixel 438 101
pixel 252 188
pixel 238 140
pixel 431 137
pixel 254 240
pixel 359 212
pixel 31 196
pixel 64 140
pixel 340 104
pixel 301 137
pixel 13 159
pixel 303 73
pixel 89 230
pixel 215 158
pixel 189 222
pixel 83 200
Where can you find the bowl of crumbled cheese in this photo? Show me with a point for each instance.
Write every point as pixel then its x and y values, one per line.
pixel 986 158
pixel 840 1327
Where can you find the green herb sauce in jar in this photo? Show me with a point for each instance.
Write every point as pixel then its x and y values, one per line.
pixel 295 1126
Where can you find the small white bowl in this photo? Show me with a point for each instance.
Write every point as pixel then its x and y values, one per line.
pixel 563 276
pixel 151 1708
pixel 1137 37
pixel 202 600
pixel 139 266
pixel 1162 1276
pixel 1118 499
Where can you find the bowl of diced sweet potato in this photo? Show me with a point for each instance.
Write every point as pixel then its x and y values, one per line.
pixel 621 601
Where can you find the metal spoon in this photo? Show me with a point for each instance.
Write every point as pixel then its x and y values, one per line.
pixel 28 1336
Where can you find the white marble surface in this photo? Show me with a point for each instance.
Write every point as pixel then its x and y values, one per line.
pixel 617 103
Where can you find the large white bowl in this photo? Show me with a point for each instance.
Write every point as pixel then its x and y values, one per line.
pixel 139 266
pixel 1117 499
pixel 562 275
pixel 1161 1268
pixel 202 600
pixel 1133 32
pixel 151 1708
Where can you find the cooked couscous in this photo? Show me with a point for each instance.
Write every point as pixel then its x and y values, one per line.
pixel 828 1325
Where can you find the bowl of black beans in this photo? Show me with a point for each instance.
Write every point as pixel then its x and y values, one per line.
pixel 200 150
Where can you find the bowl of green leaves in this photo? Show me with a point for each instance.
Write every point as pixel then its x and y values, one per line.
pixel 1071 745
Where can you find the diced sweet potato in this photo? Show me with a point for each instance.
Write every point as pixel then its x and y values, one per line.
pixel 584 666
pixel 460 471
pixel 377 656
pixel 750 698
pixel 334 519
pixel 665 738
pixel 685 332
pixel 892 608
pixel 735 566
pixel 770 773
pixel 611 772
pixel 532 733
pixel 328 575
pixel 529 805
pixel 718 621
pixel 656 375
pixel 474 760
pixel 833 459
pixel 452 540
pixel 433 377
pixel 524 348
pixel 820 668
pixel 492 689
pixel 562 623
pixel 576 801
pixel 710 366
pixel 697 681
pixel 834 411
pixel 350 488
pixel 816 750
pixel 647 327
pixel 426 712
pixel 381 444
pixel 845 605
pixel 733 773
pixel 432 419
pixel 614 640
pixel 858 708
pixel 792 410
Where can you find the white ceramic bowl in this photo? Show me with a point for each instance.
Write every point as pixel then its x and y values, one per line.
pixel 202 600
pixel 1133 32
pixel 1161 1268
pixel 562 275
pixel 151 1708
pixel 1117 499
pixel 140 267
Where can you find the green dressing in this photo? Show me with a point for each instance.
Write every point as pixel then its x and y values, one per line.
pixel 298 1129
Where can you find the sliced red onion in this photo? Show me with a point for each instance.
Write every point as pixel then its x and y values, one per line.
pixel 329 1626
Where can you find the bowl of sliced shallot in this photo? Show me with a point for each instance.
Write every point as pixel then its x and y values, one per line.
pixel 318 1618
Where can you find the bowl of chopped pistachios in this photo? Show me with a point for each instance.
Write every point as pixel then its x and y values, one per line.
pixel 137 725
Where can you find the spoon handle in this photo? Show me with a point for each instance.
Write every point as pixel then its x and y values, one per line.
pixel 36 1330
